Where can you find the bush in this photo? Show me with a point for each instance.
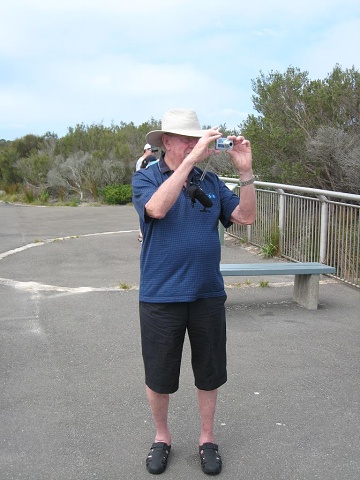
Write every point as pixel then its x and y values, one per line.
pixel 44 196
pixel 11 188
pixel 117 194
pixel 29 195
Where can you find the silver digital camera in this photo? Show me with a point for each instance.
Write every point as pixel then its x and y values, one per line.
pixel 223 144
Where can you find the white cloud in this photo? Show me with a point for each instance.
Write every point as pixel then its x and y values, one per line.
pixel 122 75
pixel 74 61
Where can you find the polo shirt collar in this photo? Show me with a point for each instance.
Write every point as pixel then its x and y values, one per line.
pixel 164 168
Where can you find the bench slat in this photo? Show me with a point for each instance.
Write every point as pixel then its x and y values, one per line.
pixel 253 269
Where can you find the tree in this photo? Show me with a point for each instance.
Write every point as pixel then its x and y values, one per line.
pixel 292 111
pixel 34 168
pixel 23 159
pixel 73 174
pixel 8 172
pixel 336 159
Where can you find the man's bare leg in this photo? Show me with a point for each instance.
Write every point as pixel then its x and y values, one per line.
pixel 207 407
pixel 159 404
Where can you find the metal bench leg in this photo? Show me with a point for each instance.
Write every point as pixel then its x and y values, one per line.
pixel 306 291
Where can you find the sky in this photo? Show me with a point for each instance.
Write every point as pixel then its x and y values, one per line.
pixel 68 62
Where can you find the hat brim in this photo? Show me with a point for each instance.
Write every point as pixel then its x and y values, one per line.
pixel 154 137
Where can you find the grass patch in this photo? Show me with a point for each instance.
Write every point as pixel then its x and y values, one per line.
pixel 246 283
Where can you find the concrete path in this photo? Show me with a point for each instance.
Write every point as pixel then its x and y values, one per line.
pixel 72 402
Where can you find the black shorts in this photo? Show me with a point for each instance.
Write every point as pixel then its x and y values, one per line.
pixel 163 328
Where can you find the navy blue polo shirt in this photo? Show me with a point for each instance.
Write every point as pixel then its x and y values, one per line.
pixel 181 252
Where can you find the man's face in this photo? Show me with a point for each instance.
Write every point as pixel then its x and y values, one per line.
pixel 179 146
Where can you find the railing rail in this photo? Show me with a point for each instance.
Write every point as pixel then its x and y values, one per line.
pixel 306 224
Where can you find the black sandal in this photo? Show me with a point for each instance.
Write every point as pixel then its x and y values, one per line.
pixel 156 461
pixel 211 462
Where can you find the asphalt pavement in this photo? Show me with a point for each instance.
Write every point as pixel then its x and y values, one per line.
pixel 72 398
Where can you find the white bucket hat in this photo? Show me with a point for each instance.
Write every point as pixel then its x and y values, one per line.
pixel 180 121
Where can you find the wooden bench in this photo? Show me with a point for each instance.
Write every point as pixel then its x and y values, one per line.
pixel 307 276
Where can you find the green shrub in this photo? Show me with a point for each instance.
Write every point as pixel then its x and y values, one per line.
pixel 44 196
pixel 29 195
pixel 10 188
pixel 272 245
pixel 71 202
pixel 117 194
pixel 269 250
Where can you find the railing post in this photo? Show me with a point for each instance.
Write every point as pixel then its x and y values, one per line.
pixel 221 233
pixel 281 218
pixel 249 233
pixel 323 227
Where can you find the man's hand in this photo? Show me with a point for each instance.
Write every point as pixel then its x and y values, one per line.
pixel 241 156
pixel 201 150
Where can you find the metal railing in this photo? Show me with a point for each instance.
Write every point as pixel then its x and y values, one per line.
pixel 306 225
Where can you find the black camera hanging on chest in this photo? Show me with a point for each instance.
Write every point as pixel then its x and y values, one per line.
pixel 196 193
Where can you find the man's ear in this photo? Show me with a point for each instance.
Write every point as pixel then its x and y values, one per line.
pixel 165 140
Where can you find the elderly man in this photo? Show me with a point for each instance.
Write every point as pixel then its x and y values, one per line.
pixel 181 287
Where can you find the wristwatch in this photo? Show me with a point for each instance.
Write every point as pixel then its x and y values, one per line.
pixel 247 182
